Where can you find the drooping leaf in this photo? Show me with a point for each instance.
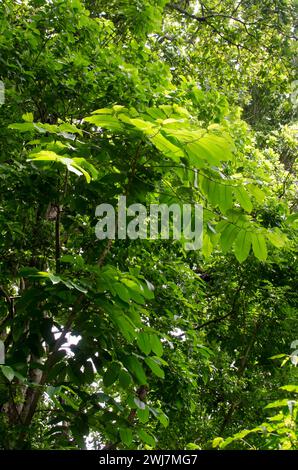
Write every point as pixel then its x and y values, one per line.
pixel 242 245
pixel 154 366
pixel 243 198
pixel 259 246
pixel 156 345
pixel 111 374
pixel 228 236
pixel 8 372
pixel 135 367
pixel 143 415
pixel 144 342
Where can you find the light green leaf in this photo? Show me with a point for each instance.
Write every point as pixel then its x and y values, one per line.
pixel 258 194
pixel 278 356
pixel 278 404
pixel 106 121
pixel 163 419
pixel 67 127
pixel 277 238
pixel 290 388
pixel 28 117
pixel 242 245
pixel 83 164
pixel 103 111
pixel 207 247
pixel 225 198
pixel 72 164
pixel 122 292
pixel 217 441
pixel 22 126
pixel 166 147
pixel 243 198
pixel 259 246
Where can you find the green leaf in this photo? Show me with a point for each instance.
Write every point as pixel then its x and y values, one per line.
pixel 207 247
pixel 243 198
pixel 278 356
pixel 156 345
pixel 124 379
pixel 103 111
pixel 141 125
pixel 67 127
pixel 209 147
pixel 135 367
pixel 74 165
pixel 277 238
pixel 217 441
pixel 146 437
pixel 135 289
pixel 126 326
pixel 83 164
pixel 34 273
pixel 259 246
pixel 69 397
pixel 53 278
pixel 122 321
pixel 143 415
pixel 290 388
pixel 166 147
pixel 278 404
pixel 155 367
pixel 228 236
pixel 163 419
pixel 147 291
pixel 192 446
pixel 144 342
pixel 8 372
pixel 242 245
pixel 225 198
pixel 126 436
pixel 111 375
pixel 122 292
pixel 258 194
pixel 210 189
pixel 22 126
pixel 106 121
pixel 28 117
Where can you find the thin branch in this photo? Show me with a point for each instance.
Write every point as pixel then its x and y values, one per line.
pixel 229 314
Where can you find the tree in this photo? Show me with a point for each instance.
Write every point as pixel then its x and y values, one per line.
pixel 109 342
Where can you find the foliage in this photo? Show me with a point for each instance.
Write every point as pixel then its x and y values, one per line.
pixel 279 432
pixel 141 343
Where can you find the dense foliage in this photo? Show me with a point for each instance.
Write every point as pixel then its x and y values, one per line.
pixel 141 343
